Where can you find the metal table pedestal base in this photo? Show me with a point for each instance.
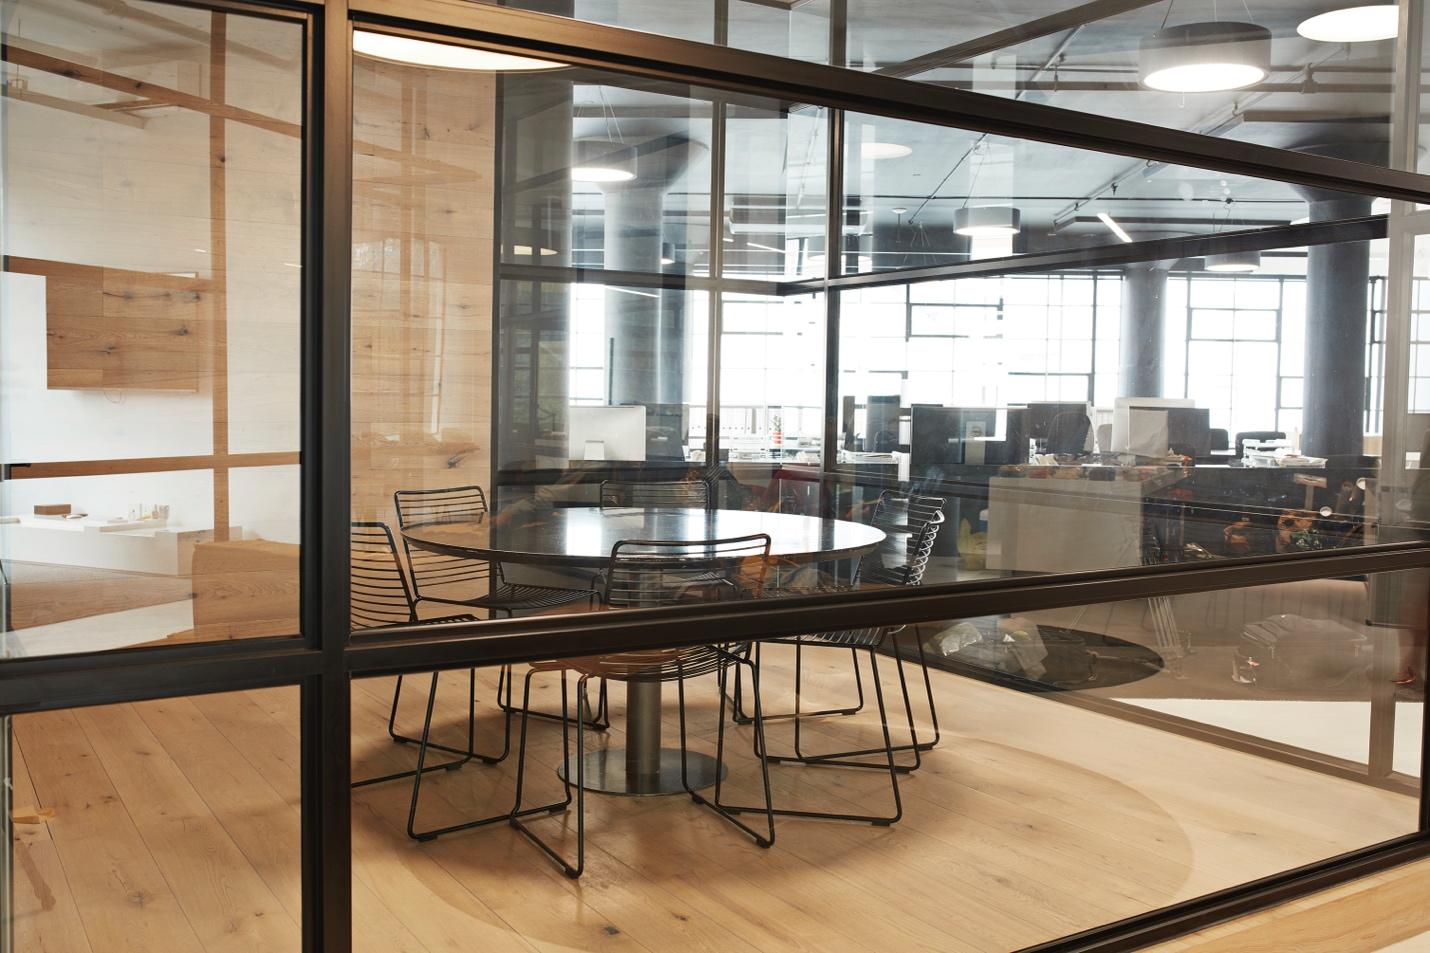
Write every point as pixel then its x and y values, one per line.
pixel 606 772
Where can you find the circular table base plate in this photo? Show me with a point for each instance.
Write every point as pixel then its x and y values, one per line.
pixel 606 772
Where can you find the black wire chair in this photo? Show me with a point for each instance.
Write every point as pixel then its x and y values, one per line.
pixel 902 517
pixel 453 579
pixel 911 524
pixel 692 494
pixel 380 597
pixel 644 573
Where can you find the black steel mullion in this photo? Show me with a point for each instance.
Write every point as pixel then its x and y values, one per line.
pixel 326 707
pixel 833 264
pixel 702 64
pixel 414 648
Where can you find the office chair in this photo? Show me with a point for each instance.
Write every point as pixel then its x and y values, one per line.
pixel 1220 439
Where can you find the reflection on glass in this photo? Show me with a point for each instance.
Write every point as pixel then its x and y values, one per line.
pixel 150 325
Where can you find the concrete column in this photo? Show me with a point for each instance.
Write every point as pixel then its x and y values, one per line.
pixel 645 329
pixel 1337 282
pixel 1144 310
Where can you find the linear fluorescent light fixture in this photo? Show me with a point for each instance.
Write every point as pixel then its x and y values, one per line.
pixel 1205 57
pixel 1117 229
pixel 410 51
pixel 1353 24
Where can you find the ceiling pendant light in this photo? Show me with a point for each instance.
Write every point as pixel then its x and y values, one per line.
pixel 1353 24
pixel 602 162
pixel 986 220
pixel 1204 57
pixel 410 51
pixel 667 253
pixel 1236 262
pixel 884 150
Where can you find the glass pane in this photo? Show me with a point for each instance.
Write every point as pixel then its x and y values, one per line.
pixel 918 195
pixel 150 325
pixel 1141 740
pixel 168 825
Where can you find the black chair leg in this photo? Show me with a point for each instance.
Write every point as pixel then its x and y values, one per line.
pixel 766 839
pixel 598 720
pixel 571 870
pixel 451 765
pixel 423 746
pixel 928 690
pixel 467 753
pixel 740 718
pixel 843 759
pixel 879 820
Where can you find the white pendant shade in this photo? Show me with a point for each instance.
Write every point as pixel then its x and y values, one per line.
pixel 987 220
pixel 1205 57
pixel 1242 262
pixel 414 52
pixel 1353 24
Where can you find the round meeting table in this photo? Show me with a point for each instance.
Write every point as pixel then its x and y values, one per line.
pixel 581 538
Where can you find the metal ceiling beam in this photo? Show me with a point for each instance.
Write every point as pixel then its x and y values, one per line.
pixel 1069 19
pixel 1107 256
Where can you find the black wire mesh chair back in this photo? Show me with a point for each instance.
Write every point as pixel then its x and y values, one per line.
pixel 435 575
pixel 647 573
pixel 693 494
pixel 379 595
pixel 911 524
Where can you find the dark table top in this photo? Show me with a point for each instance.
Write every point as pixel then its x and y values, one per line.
pixel 583 536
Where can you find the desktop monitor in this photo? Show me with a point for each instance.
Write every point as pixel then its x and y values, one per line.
pixel 847 421
pixel 1039 416
pixel 666 427
pixel 1189 431
pixel 606 433
pixel 1136 430
pixel 881 428
pixel 943 436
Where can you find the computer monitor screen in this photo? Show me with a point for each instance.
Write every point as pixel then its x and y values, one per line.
pixel 1189 431
pixel 606 433
pixel 1124 441
pixel 666 428
pixel 881 431
pixel 1039 416
pixel 936 439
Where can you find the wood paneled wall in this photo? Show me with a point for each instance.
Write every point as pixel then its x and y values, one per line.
pixel 422 281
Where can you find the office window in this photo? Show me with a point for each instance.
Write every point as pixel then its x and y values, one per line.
pixel 150 326
pixel 1235 365
pixel 772 375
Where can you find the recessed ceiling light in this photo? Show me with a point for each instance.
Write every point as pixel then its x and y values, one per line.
pixel 1205 57
pixel 985 220
pixel 884 150
pixel 1353 24
pixel 1241 262
pixel 1117 229
pixel 414 52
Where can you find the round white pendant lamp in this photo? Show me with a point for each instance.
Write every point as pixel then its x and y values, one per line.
pixel 1236 262
pixel 884 150
pixel 1380 21
pixel 602 162
pixel 987 220
pixel 411 51
pixel 1204 57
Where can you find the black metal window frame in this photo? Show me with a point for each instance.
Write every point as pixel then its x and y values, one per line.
pixel 323 660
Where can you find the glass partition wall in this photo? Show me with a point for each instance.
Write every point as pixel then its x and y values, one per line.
pixel 703 498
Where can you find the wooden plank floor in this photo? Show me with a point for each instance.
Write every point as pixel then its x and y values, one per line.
pixel 176 828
